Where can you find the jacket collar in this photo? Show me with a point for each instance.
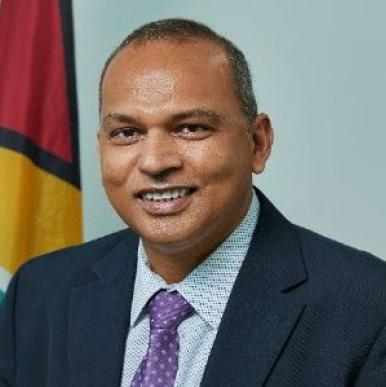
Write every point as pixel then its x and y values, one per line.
pixel 99 317
pixel 263 308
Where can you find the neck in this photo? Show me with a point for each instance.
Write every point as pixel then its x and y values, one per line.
pixel 172 267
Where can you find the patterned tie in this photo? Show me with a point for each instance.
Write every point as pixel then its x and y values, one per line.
pixel 159 366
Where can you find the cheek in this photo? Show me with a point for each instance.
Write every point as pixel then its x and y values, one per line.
pixel 116 166
pixel 220 162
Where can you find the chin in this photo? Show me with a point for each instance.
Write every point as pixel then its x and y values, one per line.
pixel 173 236
pixel 164 236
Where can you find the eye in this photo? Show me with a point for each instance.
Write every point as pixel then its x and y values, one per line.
pixel 193 130
pixel 125 135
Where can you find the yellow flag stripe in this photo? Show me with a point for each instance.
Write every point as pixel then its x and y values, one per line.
pixel 39 212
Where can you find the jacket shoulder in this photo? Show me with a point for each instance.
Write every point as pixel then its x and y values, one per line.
pixel 332 262
pixel 59 265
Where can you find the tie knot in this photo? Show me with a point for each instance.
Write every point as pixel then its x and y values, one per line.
pixel 168 309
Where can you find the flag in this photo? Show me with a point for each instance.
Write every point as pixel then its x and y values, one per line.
pixel 40 197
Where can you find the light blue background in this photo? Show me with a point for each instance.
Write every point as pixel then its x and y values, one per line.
pixel 319 71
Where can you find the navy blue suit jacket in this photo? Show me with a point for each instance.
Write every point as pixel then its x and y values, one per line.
pixel 304 311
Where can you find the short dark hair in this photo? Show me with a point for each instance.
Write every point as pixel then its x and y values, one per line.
pixel 182 30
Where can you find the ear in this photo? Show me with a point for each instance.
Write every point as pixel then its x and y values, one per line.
pixel 262 139
pixel 99 142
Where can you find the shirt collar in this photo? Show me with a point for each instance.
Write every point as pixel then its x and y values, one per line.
pixel 208 287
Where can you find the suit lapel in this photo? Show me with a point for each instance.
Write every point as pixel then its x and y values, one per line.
pixel 263 308
pixel 99 318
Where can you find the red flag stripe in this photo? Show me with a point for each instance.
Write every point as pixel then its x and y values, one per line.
pixel 32 75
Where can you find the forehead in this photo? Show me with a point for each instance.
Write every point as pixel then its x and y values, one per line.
pixel 195 69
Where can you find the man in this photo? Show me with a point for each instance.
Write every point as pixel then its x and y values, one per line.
pixel 211 285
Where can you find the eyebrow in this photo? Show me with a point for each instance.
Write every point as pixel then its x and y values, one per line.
pixel 123 118
pixel 197 113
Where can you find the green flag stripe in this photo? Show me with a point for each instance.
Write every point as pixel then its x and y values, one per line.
pixel 1 297
pixel 5 277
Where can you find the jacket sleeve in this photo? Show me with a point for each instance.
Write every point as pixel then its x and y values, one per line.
pixel 7 337
pixel 373 372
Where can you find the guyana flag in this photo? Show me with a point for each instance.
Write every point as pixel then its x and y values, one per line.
pixel 40 198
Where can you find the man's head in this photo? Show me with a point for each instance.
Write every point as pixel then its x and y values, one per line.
pixel 177 144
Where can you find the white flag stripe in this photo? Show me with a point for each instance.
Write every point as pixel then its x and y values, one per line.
pixel 5 277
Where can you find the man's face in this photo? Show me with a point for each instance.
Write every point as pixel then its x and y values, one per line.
pixel 175 149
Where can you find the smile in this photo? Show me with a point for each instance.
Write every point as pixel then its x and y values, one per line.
pixel 165 201
pixel 167 195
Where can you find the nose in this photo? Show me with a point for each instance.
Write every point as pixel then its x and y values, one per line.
pixel 159 154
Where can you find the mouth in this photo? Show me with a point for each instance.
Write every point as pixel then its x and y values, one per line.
pixel 166 201
pixel 166 194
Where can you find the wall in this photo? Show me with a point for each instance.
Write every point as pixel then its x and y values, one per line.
pixel 319 72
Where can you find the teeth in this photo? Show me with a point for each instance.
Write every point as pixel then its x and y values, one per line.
pixel 166 195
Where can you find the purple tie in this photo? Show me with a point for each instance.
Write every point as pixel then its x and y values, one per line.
pixel 159 366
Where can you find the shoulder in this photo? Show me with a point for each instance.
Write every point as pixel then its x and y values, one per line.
pixel 63 266
pixel 331 263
